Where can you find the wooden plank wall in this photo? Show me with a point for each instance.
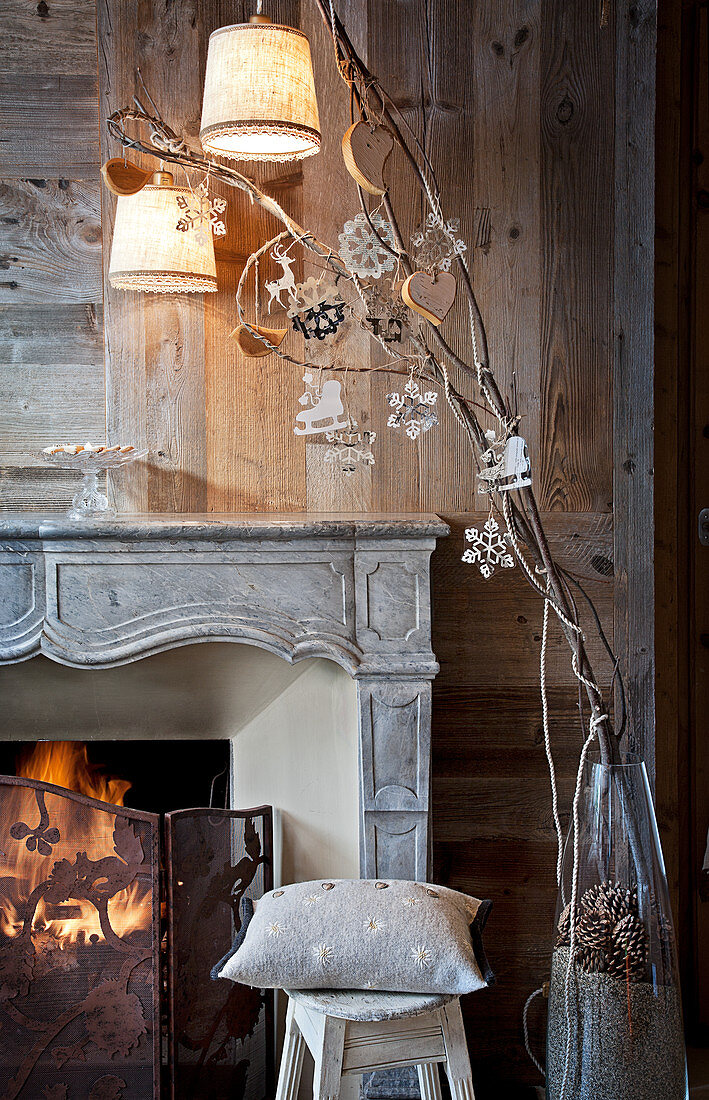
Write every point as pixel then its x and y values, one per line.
pixel 514 102
pixel 51 345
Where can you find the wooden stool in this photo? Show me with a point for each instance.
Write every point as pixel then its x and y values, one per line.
pixel 356 1031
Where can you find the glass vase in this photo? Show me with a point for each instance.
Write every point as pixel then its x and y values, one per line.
pixel 615 1019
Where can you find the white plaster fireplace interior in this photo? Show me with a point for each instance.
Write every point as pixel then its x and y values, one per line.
pixel 336 736
pixel 292 731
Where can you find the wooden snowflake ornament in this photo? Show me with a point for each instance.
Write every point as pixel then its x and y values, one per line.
pixel 204 216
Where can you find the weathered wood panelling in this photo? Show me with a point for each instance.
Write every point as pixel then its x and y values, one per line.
pixel 514 103
pixel 51 347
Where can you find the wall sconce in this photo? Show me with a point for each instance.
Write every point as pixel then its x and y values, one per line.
pixel 259 94
pixel 150 253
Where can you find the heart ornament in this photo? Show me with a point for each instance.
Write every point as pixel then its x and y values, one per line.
pixel 251 346
pixel 365 149
pixel 430 296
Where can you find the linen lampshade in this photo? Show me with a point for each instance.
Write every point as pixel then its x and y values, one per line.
pixel 259 94
pixel 150 253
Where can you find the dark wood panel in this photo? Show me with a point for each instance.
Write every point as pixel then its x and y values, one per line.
pixel 574 468
pixel 673 327
pixel 504 95
pixel 50 245
pixel 633 460
pixel 489 631
pixel 48 126
pixel 480 732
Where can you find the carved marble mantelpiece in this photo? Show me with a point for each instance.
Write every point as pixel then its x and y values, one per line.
pixel 352 588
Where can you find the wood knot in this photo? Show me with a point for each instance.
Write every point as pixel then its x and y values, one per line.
pixel 565 111
pixel 498 49
pixel 42 9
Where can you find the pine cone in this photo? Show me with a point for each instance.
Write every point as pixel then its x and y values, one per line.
pixel 629 949
pixel 594 930
pixel 592 960
pixel 591 898
pixel 618 900
pixel 564 927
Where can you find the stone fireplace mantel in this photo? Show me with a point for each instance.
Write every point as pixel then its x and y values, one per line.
pixel 349 587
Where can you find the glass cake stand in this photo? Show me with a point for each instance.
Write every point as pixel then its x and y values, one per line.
pixel 89 501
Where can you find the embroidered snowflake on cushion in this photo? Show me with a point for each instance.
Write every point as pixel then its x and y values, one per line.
pixel 374 925
pixel 422 957
pixel 312 899
pixel 361 248
pixel 409 901
pixel 275 929
pixel 324 953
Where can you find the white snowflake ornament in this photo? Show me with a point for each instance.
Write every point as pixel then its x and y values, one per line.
pixel 361 249
pixel 489 548
pixel 349 448
pixel 436 243
pixel 413 409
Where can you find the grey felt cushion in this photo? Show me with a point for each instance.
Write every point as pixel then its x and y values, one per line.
pixel 407 937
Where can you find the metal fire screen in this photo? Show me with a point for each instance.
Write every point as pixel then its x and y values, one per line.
pixel 79 947
pixel 221 1034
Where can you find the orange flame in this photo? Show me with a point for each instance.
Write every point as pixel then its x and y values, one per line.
pixel 83 829
pixel 66 763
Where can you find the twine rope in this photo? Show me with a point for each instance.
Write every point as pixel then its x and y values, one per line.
pixel 525 1012
pixel 547 744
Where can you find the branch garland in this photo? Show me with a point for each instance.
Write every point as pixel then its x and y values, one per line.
pixel 521 516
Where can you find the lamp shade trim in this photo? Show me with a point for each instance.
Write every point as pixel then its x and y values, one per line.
pixel 162 282
pixel 258 27
pixel 269 127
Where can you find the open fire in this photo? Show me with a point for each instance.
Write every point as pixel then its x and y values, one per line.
pixel 58 925
pixel 101 997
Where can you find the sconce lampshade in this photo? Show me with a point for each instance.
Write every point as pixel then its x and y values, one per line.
pixel 259 94
pixel 149 252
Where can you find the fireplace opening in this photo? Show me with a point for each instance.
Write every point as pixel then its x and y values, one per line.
pixel 117 895
pixel 156 776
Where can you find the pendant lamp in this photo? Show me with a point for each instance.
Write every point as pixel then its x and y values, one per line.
pixel 150 253
pixel 259 94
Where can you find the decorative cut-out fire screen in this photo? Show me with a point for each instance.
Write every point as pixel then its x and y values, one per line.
pixel 81 970
pixel 220 1033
